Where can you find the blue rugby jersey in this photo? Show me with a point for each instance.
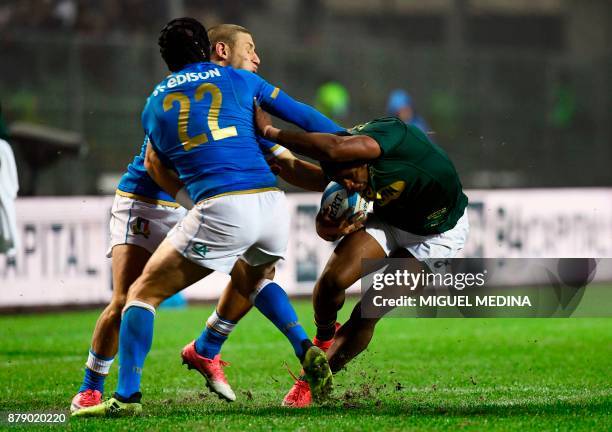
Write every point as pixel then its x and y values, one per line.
pixel 137 183
pixel 200 121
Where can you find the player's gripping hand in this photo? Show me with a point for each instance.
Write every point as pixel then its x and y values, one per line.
pixel 332 229
pixel 275 167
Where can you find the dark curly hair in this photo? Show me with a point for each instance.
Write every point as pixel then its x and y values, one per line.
pixel 183 41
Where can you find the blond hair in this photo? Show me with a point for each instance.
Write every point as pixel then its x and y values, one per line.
pixel 225 33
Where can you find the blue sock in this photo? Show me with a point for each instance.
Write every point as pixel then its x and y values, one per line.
pixel 92 381
pixel 214 335
pixel 272 301
pixel 135 338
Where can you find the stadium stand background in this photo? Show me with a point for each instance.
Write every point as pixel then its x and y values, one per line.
pixel 517 91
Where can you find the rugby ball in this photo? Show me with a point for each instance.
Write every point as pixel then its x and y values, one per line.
pixel 339 200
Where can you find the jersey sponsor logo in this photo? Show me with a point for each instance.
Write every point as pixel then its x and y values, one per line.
pixel 199 249
pixel 141 227
pixel 436 218
pixel 180 79
pixel 387 193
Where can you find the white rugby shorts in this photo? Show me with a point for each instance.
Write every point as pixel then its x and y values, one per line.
pixel 427 249
pixel 141 223
pixel 217 232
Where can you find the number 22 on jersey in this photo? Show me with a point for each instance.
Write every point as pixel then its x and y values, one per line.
pixel 213 116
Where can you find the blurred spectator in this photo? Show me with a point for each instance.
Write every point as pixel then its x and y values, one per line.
pixel 66 13
pixel 8 192
pixel 563 110
pixel 333 100
pixel 400 105
pixel 85 16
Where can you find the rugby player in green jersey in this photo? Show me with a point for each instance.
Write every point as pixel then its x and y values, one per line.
pixel 419 211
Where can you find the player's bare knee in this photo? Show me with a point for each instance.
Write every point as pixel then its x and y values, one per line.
pixel 114 309
pixel 119 296
pixel 264 271
pixel 118 301
pixel 269 272
pixel 247 278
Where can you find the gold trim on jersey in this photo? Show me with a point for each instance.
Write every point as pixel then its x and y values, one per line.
pixel 386 194
pixel 147 200
pixel 242 192
pixel 275 93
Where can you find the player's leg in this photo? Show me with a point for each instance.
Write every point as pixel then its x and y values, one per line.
pixel 127 264
pixel 229 229
pixel 136 229
pixel 252 274
pixel 261 242
pixel 354 336
pixel 128 261
pixel 166 273
pixel 234 305
pixel 343 269
pixel 204 354
pixel 272 301
pixel 271 228
pixel 231 307
pixel 268 216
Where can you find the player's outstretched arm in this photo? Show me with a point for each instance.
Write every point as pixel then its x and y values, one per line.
pixel 321 146
pixel 280 104
pixel 166 178
pixel 300 114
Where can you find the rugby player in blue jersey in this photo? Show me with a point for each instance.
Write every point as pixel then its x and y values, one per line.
pixel 203 354
pixel 141 216
pixel 200 121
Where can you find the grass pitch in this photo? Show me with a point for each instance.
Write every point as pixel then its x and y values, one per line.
pixel 443 374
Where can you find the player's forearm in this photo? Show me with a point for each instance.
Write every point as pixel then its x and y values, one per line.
pixel 320 146
pixel 167 179
pixel 303 174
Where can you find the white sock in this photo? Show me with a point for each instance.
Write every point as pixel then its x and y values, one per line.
pixel 98 365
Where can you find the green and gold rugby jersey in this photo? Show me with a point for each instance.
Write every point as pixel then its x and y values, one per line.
pixel 413 183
